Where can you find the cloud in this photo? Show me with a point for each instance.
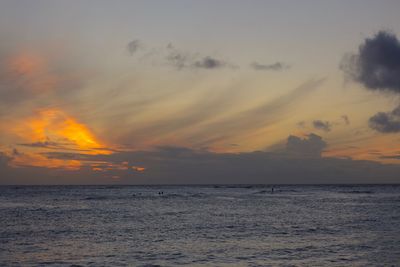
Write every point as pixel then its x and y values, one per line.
pixel 134 46
pixel 205 130
pixel 377 63
pixel 386 122
pixel 38 77
pixel 24 75
pixel 42 144
pixel 391 156
pixel 4 159
pixel 322 125
pixel 178 59
pixel 311 145
pixel 300 162
pixel 345 119
pixel 277 66
pixel 209 63
pixel 189 60
pixel 15 152
pixel 377 67
pixel 181 60
pixel 264 114
pixel 212 118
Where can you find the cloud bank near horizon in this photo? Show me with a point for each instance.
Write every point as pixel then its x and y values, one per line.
pixel 300 162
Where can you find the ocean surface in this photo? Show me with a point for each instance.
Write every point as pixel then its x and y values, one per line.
pixel 200 225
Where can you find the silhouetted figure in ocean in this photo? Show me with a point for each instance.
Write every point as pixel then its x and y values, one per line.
pixel 272 190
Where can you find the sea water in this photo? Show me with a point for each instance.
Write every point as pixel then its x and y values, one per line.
pixel 211 225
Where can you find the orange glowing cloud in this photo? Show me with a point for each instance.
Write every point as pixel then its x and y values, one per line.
pixel 56 125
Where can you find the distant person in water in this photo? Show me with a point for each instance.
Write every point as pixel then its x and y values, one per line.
pixel 272 190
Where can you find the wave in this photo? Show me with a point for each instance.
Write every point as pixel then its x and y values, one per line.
pixel 358 192
pixel 145 196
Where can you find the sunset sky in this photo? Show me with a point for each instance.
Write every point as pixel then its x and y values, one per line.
pixel 136 92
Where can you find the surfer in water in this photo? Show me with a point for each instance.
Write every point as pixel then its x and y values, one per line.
pixel 272 190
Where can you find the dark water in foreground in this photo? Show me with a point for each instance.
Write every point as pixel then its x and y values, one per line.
pixel 200 226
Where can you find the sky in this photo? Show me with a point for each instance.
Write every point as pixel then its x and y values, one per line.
pixel 195 92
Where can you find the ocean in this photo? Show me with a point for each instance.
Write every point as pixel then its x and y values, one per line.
pixel 210 225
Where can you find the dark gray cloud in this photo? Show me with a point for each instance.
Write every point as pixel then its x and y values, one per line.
pixel 311 145
pixel 386 122
pixel 209 63
pixel 322 125
pixel 134 46
pixel 377 67
pixel 277 66
pixel 181 60
pixel 377 63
